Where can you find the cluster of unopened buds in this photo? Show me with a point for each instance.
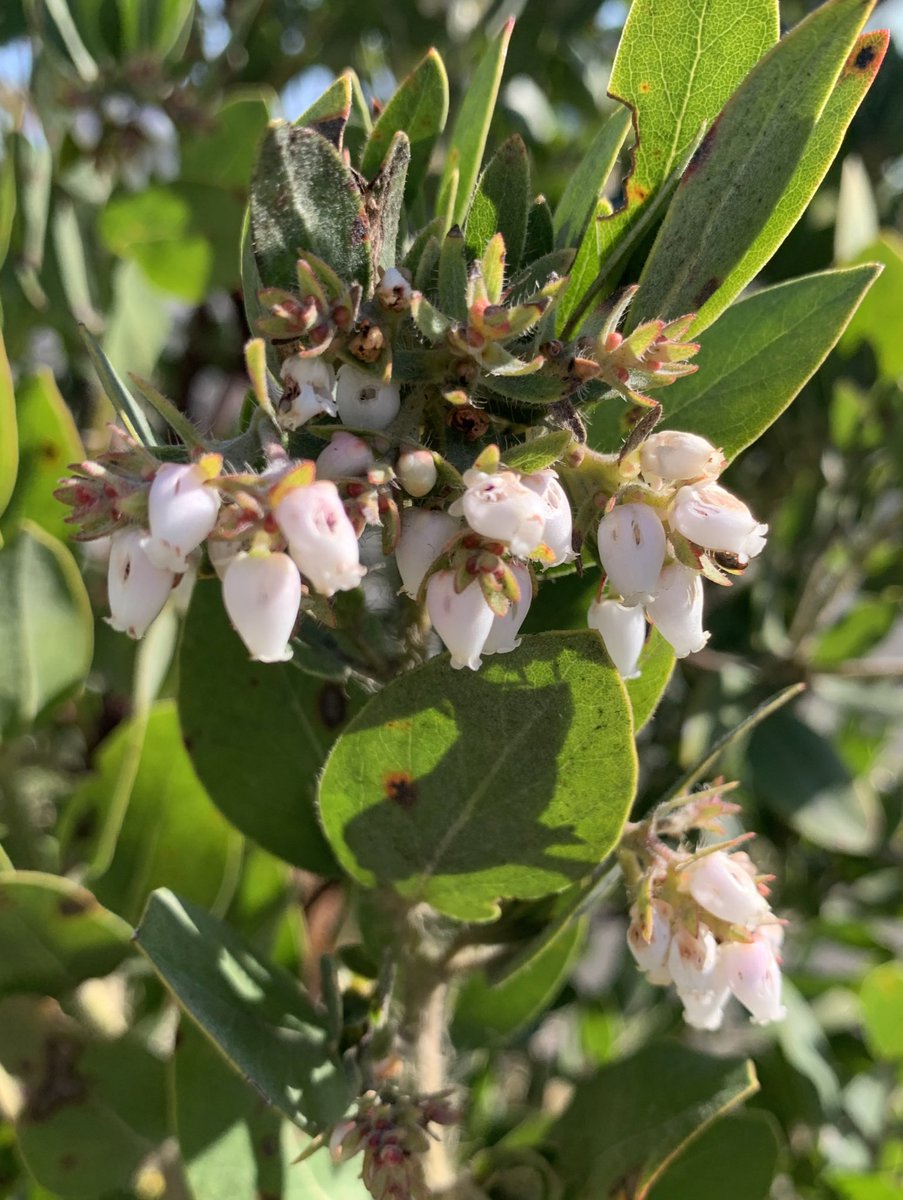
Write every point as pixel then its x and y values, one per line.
pixel 700 919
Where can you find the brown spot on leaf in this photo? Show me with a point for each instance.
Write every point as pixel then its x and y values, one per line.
pixel 399 788
pixel 637 192
pixel 49 452
pixel 332 705
pixel 867 55
pixel 76 905
pixel 68 1161
pixel 709 288
pixel 60 1083
pixel 702 151
pixel 269 1146
pixel 403 725
pixel 645 87
pixel 359 231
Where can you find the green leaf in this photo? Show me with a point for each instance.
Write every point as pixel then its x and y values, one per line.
pixel 258 1015
pixel 643 1111
pixel 127 408
pixel 501 203
pixel 742 1148
pixel 586 265
pixel 471 127
pixel 139 322
pixel 7 195
pixel 304 198
pixel 540 231
pixel 851 1186
pixel 755 360
pixel 420 108
pixel 881 996
pixel 461 789
pixel 824 142
pixel 385 201
pixel 656 667
pixel 257 733
pixel 46 627
pixel 539 452
pixel 744 163
pixel 54 935
pixel 9 438
pixel 328 115
pixel 452 275
pixel 224 155
pixel 48 443
pixel 525 389
pixel 584 188
pixel 869 620
pixel 153 26
pixel 878 318
pixel 94 1107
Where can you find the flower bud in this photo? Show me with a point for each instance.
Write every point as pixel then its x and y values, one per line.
pixel 503 634
pixel 309 391
pixel 752 973
pixel 558 530
pixel 181 512
pixel 674 457
pixel 499 506
pixel 632 549
pixel 462 619
pixel 262 594
pixel 651 955
pixel 137 588
pixel 394 291
pixel 623 631
pixel 320 537
pixel 725 889
pixel 423 534
pixel 705 1010
pixel 364 400
pixel 693 960
pixel 345 456
pixel 710 516
pixel 416 471
pixel 676 609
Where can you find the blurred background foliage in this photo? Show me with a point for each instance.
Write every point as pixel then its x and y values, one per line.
pixel 128 146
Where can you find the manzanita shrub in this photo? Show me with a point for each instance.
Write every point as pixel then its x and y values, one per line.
pixel 463 405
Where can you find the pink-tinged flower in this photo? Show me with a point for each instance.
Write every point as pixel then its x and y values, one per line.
pixel 424 532
pixel 310 384
pixel 320 537
pixel 137 588
pixel 181 512
pixel 503 634
pixel 558 532
pixel 692 961
pixel 499 506
pixel 364 400
pixel 725 888
pixel 623 630
pixel 462 619
pixel 345 457
pixel 676 609
pixel 416 471
pixel 262 595
pixel 670 457
pixel 705 1010
pixel 752 973
pixel 651 955
pixel 631 550
pixel 710 516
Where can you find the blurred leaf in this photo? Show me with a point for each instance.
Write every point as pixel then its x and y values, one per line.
pixel 54 935
pixel 880 315
pixel 7 195
pixel 420 108
pixel 805 1045
pixel 9 438
pixel 502 203
pixel 867 622
pixel 881 995
pixel 91 1109
pixel 224 156
pixel 471 129
pixel 69 244
pixel 46 627
pixel 744 163
pixel 632 1118
pixel 48 443
pixel 257 1015
pixel 741 1149
pixel 584 188
pixel 153 26
pixel 138 323
pixel 864 1187
pixel 460 788
pixel 257 730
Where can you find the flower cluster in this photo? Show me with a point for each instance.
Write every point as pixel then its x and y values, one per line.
pixel 700 919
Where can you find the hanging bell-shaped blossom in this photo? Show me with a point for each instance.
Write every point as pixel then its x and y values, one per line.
pixel 137 589
pixel 424 532
pixel 346 456
pixel 712 517
pixel 725 888
pixel 623 630
pixel 181 512
pixel 558 531
pixel 651 955
pixel 670 457
pixel 462 619
pixel 320 537
pixel 262 595
pixel 500 507
pixel 416 471
pixel 632 549
pixel 364 400
pixel 676 609
pixel 752 973
pixel 310 384
pixel 692 960
pixel 503 634
pixel 705 1010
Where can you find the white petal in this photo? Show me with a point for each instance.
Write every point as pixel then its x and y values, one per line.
pixel 671 456
pixel 137 588
pixel 181 512
pixel 632 549
pixel 320 537
pixel 558 531
pixel 365 401
pixel 693 961
pixel 752 973
pixel 725 889
pixel 623 630
pixel 462 619
pixel 499 506
pixel 651 955
pixel 705 1010
pixel 423 534
pixel 503 634
pixel 712 517
pixel 676 609
pixel 262 594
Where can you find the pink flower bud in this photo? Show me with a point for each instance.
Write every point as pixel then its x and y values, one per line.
pixel 503 634
pixel 320 537
pixel 423 534
pixel 558 531
pixel 705 1010
pixel 710 516
pixel 693 960
pixel 262 594
pixel 752 973
pixel 725 889
pixel 651 955
pixel 181 512
pixel 623 631
pixel 344 457
pixel 137 588
pixel 462 619
pixel 499 506
pixel 632 549
pixel 416 471
pixel 364 400
pixel 676 609
pixel 311 383
pixel 674 457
